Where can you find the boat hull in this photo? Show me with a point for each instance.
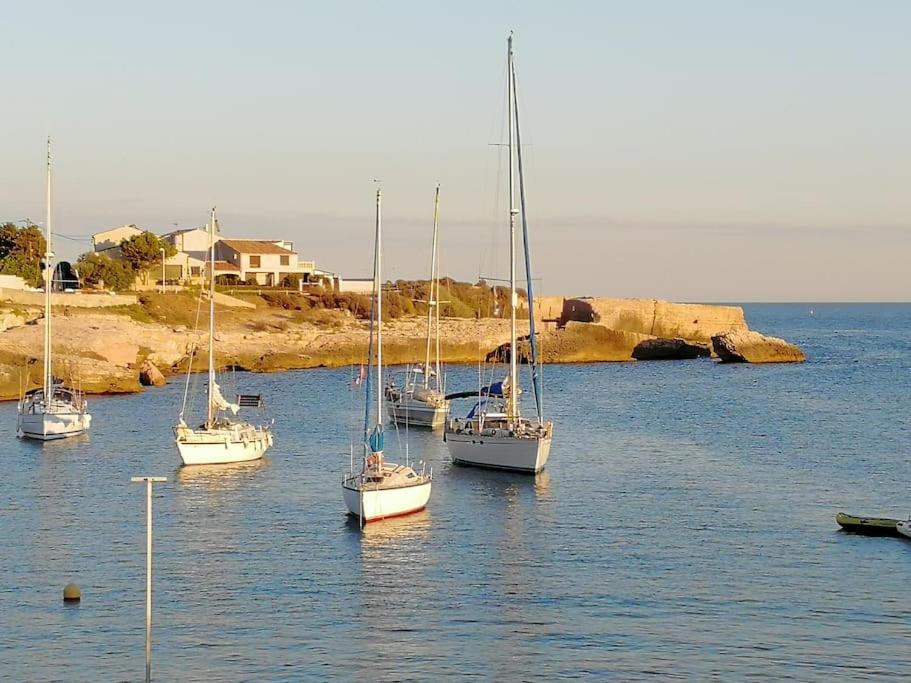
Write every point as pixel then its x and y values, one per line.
pixel 417 413
pixel 53 426
pixel 904 528
pixel 222 447
pixel 499 451
pixel 868 526
pixel 373 504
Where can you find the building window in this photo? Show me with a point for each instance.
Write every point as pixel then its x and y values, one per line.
pixel 286 260
pixel 194 271
pixel 254 261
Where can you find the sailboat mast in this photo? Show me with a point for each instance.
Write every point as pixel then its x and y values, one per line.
pixel 211 398
pixel 513 367
pixel 48 285
pixel 532 333
pixel 378 284
pixel 433 302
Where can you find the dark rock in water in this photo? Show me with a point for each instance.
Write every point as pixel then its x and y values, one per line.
pixel 670 349
pixel 150 376
pixel 753 347
pixel 501 354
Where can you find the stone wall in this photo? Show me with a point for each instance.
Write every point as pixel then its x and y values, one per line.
pixel 76 299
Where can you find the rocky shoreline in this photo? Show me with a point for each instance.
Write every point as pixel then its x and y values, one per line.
pixel 114 351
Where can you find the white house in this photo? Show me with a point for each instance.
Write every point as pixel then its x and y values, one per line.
pixel 356 285
pixel 265 262
pixel 108 241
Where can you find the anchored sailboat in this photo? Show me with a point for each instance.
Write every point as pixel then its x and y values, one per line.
pixel 381 489
pixel 420 399
pixel 494 434
pixel 219 439
pixel 53 410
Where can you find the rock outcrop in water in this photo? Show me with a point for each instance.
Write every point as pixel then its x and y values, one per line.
pixel 150 375
pixel 670 349
pixel 753 347
pixel 656 318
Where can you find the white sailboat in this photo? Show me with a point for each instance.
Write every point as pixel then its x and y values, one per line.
pixel 494 434
pixel 53 410
pixel 219 439
pixel 419 400
pixel 381 489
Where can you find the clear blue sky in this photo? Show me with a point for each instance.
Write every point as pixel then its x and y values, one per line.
pixel 691 151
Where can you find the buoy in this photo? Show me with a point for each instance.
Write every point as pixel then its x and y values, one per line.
pixel 71 593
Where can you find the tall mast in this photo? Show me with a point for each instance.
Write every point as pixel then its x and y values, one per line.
pixel 532 337
pixel 211 402
pixel 378 283
pixel 433 303
pixel 48 285
pixel 513 367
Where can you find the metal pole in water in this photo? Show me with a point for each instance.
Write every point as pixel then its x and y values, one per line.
pixel 148 481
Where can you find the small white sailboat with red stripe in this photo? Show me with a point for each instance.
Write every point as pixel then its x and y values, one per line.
pixel 381 489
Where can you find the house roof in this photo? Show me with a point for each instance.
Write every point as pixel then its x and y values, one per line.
pixel 119 227
pixel 255 247
pixel 224 265
pixel 181 231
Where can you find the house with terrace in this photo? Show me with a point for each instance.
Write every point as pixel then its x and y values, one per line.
pixel 269 263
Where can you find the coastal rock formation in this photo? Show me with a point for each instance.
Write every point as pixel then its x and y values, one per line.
pixel 150 375
pixel 753 347
pixel 695 322
pixel 670 349
pixel 576 343
pixel 114 351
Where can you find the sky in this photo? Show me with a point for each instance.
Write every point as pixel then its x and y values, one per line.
pixel 698 151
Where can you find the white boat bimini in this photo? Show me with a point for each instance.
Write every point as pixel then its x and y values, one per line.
pixel 381 490
pixel 52 411
pixel 494 434
pixel 220 439
pixel 419 399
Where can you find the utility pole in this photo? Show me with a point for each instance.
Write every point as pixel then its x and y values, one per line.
pixel 148 481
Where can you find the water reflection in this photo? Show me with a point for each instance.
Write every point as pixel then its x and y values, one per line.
pixel 219 477
pixel 382 535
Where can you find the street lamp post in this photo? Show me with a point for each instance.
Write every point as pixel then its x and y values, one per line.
pixel 148 482
pixel 162 270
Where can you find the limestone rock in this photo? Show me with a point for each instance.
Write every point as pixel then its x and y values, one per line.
pixel 670 349
pixel 114 351
pixel 10 319
pixel 753 347
pixel 654 317
pixel 150 376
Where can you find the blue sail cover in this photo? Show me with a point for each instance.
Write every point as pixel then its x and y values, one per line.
pixel 376 440
pixel 495 390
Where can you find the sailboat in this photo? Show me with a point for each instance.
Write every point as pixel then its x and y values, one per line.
pixel 53 410
pixel 381 489
pixel 494 434
pixel 219 439
pixel 420 399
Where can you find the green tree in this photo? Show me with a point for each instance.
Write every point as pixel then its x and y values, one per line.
pixel 99 270
pixel 144 250
pixel 21 251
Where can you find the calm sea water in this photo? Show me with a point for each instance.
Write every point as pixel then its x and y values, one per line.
pixel 684 527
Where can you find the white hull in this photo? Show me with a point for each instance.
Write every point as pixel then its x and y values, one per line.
pixel 417 413
pixel 904 528
pixel 51 426
pixel 499 450
pixel 221 446
pixel 371 504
